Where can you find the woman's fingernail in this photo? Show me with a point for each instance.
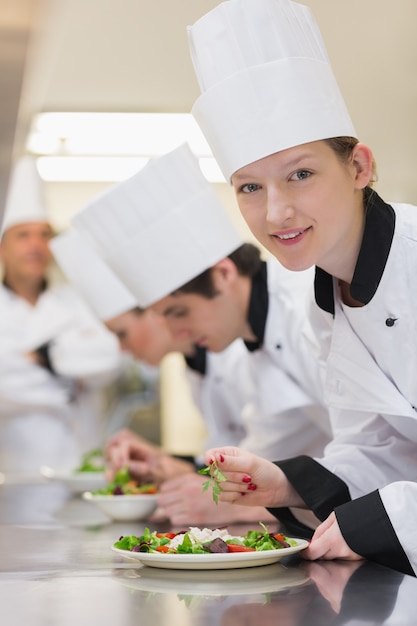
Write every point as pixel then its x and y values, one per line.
pixel 252 487
pixel 246 479
pixel 211 461
pixel 242 493
pixel 221 457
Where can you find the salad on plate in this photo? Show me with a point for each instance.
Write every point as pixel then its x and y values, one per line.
pixel 200 549
pixel 205 541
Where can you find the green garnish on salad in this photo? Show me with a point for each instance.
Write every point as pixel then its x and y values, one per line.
pixel 92 461
pixel 216 477
pixel 124 485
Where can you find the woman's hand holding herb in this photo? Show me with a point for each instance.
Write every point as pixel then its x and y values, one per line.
pixel 240 477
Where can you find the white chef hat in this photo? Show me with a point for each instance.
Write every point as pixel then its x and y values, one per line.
pixel 160 228
pixel 106 295
pixel 25 199
pixel 266 81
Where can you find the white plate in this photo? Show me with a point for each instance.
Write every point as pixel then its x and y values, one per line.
pixel 125 508
pixel 231 560
pixel 77 482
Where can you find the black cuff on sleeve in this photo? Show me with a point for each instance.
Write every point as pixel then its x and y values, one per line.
pixel 320 489
pixel 187 459
pixel 367 529
pixel 43 357
pixel 291 525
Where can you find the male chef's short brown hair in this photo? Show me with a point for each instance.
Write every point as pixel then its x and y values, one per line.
pixel 247 259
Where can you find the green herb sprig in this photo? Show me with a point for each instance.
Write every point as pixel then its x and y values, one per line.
pixel 216 477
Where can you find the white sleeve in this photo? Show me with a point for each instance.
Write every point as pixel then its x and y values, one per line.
pixel 369 453
pixel 85 350
pixel 88 353
pixel 25 385
pixel 400 502
pixel 278 436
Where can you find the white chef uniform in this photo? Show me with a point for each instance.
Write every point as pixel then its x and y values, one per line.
pixel 47 417
pixel 49 414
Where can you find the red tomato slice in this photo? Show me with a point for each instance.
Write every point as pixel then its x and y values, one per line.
pixel 162 549
pixel 168 535
pixel 235 547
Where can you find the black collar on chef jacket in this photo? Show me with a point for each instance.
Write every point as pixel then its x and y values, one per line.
pixel 373 255
pixel 198 360
pixel 258 308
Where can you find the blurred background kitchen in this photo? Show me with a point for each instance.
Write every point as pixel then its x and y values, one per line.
pixel 94 88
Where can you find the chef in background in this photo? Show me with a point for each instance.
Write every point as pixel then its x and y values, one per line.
pixel 56 358
pixel 220 383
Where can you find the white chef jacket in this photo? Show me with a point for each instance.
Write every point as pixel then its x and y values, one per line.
pixel 371 380
pixel 47 417
pixel 221 390
pixel 369 360
pixel 400 503
pixel 286 416
pixel 266 398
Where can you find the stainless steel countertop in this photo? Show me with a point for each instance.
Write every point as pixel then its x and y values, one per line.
pixel 58 569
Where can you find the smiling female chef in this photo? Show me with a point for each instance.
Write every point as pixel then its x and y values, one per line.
pixel 273 115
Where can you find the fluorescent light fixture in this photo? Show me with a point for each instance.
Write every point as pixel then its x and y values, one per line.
pixel 112 146
pixel 89 169
pixel 107 134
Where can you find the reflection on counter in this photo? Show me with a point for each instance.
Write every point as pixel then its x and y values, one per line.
pixel 67 573
pixel 300 594
pixel 348 595
pixel 220 583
